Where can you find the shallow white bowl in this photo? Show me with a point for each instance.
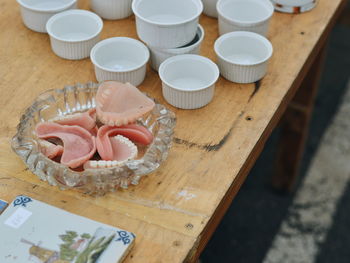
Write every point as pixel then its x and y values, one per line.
pixel 112 9
pixel 73 33
pixel 210 8
pixel 120 58
pixel 243 56
pixel 158 55
pixel 294 6
pixel 35 13
pixel 188 81
pixel 244 15
pixel 167 23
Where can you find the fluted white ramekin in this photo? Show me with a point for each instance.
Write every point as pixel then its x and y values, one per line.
pixel 244 15
pixel 243 56
pixel 36 13
pixel 112 9
pixel 210 8
pixel 294 6
pixel 73 33
pixel 158 55
pixel 167 23
pixel 188 81
pixel 120 58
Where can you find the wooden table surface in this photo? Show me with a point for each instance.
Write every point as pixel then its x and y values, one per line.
pixel 174 210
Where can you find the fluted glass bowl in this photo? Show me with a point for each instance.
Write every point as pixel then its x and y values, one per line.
pixel 80 98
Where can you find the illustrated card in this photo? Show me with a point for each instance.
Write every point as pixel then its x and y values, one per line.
pixel 33 231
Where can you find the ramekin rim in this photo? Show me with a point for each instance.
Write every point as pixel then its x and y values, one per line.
pixel 256 22
pixel 72 11
pixel 112 39
pixel 198 3
pixel 264 40
pixel 179 57
pixel 63 7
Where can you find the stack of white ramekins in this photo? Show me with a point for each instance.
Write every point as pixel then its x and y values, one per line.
pixel 169 27
pixel 172 33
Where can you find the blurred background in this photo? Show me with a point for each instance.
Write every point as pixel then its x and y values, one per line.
pixel 312 224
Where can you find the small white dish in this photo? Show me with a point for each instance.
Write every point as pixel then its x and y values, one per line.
pixel 167 23
pixel 158 55
pixel 73 33
pixel 35 13
pixel 121 59
pixel 188 81
pixel 244 15
pixel 243 56
pixel 294 6
pixel 112 9
pixel 210 8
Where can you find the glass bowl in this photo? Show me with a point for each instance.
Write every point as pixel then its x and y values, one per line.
pixel 80 98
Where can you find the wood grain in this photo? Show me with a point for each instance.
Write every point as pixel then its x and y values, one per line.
pixel 174 210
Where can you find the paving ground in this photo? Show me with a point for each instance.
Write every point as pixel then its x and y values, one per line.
pixel 313 223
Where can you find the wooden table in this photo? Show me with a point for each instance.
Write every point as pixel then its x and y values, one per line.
pixel 175 210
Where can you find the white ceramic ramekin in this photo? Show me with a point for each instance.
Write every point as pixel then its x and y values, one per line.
pixel 120 58
pixel 158 55
pixel 167 23
pixel 35 13
pixel 73 33
pixel 210 8
pixel 243 56
pixel 294 6
pixel 244 15
pixel 112 9
pixel 188 81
